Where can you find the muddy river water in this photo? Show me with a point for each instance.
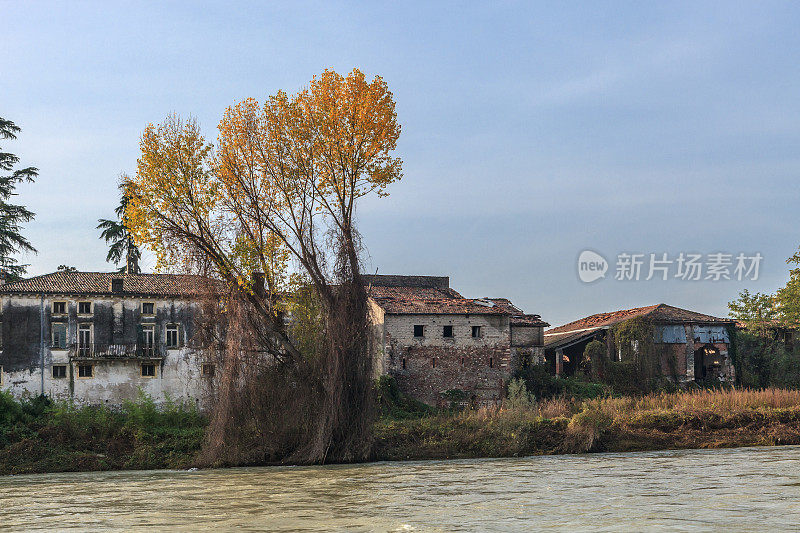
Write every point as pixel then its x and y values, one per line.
pixel 746 489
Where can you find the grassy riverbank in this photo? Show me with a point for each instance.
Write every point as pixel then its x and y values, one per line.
pixel 697 419
pixel 37 437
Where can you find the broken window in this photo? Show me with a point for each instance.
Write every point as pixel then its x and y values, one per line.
pixel 447 331
pixel 58 331
pixel 84 308
pixel 59 371
pixel 172 336
pixel 59 308
pixel 148 370
pixel 476 332
pixel 419 331
pixel 148 308
pixel 208 370
pixel 85 371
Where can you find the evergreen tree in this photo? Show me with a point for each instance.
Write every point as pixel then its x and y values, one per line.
pixel 116 232
pixel 12 216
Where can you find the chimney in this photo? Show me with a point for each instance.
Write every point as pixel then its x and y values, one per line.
pixel 132 264
pixel 258 285
pixel 116 285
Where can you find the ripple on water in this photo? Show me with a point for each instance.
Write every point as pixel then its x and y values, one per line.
pixel 739 490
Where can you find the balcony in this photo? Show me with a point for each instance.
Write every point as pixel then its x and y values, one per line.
pixel 97 351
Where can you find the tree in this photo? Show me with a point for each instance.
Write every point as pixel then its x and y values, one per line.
pixel 788 297
pixel 116 232
pixel 282 185
pixel 12 216
pixel 757 311
pixel 66 268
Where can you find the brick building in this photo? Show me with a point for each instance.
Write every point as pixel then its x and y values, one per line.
pixel 691 346
pixel 442 347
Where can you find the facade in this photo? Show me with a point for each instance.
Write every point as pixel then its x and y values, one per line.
pixel 692 346
pixel 444 348
pixel 95 337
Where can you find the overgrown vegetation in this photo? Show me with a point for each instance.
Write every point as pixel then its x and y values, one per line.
pixel 698 419
pixel 37 435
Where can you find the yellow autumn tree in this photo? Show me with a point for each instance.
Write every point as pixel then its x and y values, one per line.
pixel 279 195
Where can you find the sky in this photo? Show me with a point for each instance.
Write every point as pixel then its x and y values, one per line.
pixel 530 131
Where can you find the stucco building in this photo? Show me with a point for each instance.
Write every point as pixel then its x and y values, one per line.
pixel 96 337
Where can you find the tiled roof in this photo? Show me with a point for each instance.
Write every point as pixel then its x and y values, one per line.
pixel 99 283
pixel 656 313
pixel 518 317
pixel 426 300
pixel 432 295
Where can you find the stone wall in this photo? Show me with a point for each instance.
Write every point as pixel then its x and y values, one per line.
pixel 427 367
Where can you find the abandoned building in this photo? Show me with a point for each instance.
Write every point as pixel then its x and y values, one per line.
pixel 691 346
pixel 444 348
pixel 97 337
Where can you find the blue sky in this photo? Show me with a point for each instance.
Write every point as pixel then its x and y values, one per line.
pixel 530 131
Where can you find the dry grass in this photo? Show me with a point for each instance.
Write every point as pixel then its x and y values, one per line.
pixel 698 402
pixel 697 419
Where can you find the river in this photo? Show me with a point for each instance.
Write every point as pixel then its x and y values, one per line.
pixel 743 489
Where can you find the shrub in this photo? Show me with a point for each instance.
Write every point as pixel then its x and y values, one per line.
pixel 518 397
pixel 393 404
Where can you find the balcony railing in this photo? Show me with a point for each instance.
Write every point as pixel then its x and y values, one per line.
pixel 116 351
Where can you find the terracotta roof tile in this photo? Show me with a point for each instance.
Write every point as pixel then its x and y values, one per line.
pixel 518 317
pixel 657 313
pixel 99 283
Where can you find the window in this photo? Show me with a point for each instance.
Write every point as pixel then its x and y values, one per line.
pixel 148 308
pixel 148 370
pixel 84 308
pixel 476 332
pixel 85 371
pixel 172 336
pixel 59 371
pixel 447 331
pixel 208 369
pixel 404 363
pixel 462 361
pixel 84 340
pixel 419 331
pixel 58 335
pixel 433 362
pixel 148 340
pixel 491 363
pixel 59 308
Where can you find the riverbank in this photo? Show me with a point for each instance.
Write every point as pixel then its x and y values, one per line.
pixel 36 437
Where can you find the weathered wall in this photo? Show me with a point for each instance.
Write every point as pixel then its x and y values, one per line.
pixel 527 336
pixel 426 367
pixel 114 320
